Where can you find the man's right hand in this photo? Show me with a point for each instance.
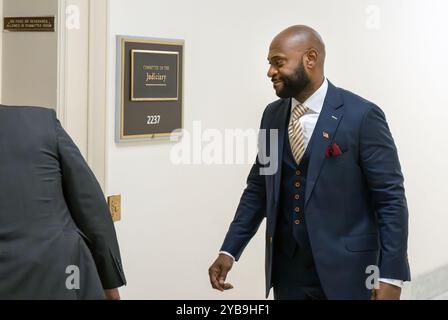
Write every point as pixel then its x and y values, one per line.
pixel 112 294
pixel 218 272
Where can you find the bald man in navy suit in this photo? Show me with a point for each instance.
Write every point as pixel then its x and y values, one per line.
pixel 335 207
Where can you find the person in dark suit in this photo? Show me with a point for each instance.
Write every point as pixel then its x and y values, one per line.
pixel 57 238
pixel 335 207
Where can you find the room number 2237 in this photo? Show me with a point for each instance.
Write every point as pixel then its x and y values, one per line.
pixel 153 120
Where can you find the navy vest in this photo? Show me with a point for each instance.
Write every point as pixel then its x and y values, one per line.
pixel 291 230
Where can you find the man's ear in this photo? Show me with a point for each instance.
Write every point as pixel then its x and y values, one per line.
pixel 311 58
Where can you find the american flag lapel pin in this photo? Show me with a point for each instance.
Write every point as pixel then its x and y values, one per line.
pixel 326 135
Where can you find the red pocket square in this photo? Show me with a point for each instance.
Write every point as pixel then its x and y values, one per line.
pixel 333 150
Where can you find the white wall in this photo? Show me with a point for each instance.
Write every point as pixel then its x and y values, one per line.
pixel 29 62
pixel 175 217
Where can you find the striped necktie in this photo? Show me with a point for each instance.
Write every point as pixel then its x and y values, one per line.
pixel 295 132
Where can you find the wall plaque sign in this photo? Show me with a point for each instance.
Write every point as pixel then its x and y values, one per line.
pixel 149 88
pixel 29 24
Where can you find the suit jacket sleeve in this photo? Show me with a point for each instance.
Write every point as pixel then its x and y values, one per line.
pixel 249 214
pixel 89 210
pixel 381 166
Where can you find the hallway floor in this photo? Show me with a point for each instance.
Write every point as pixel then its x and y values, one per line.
pixel 443 296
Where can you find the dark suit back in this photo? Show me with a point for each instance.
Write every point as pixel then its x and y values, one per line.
pixel 52 213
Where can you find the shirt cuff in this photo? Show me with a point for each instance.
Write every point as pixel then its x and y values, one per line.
pixel 227 254
pixel 394 282
pixel 397 283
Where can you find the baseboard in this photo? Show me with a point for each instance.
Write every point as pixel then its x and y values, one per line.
pixel 431 285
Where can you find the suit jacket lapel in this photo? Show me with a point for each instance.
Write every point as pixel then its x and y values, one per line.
pixel 328 122
pixel 281 123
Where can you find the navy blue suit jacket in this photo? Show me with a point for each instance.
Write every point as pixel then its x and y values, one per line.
pixel 355 205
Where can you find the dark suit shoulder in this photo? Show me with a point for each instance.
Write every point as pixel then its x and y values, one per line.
pixel 29 109
pixel 274 106
pixel 356 104
pixel 33 120
pixel 273 111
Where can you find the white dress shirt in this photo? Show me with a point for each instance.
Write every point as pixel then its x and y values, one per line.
pixel 308 122
pixel 314 103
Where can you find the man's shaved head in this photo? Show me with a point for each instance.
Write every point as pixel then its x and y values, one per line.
pixel 297 59
pixel 301 37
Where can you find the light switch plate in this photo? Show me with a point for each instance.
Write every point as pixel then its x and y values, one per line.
pixel 115 207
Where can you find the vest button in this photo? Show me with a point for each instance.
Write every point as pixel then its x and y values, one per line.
pixel 297 209
pixel 298 172
pixel 297 221
pixel 297 197
pixel 297 184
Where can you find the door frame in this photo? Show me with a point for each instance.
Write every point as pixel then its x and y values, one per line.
pixel 1 49
pixel 82 103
